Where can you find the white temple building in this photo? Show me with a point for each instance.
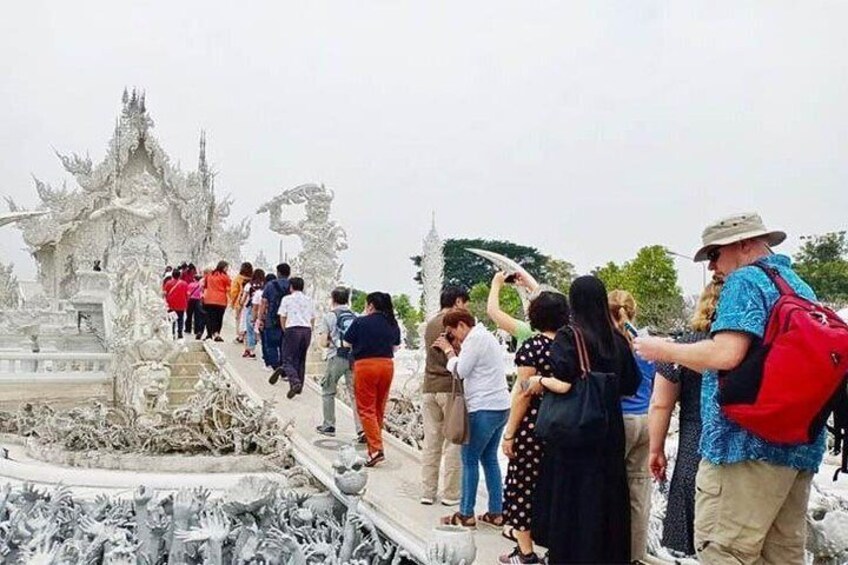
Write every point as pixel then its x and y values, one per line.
pixel 135 203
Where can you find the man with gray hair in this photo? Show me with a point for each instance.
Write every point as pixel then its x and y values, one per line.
pixel 751 495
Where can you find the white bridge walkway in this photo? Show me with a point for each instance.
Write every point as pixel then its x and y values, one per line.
pixel 392 494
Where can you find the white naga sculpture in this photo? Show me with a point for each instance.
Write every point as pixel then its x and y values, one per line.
pixel 135 202
pixel 142 339
pixel 322 238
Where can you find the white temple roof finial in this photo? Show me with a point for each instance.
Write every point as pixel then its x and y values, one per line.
pixel 201 161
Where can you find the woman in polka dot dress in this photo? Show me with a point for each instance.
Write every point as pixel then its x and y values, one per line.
pixel 548 312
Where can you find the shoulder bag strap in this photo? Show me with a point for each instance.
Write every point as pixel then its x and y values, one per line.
pixel 774 276
pixel 582 352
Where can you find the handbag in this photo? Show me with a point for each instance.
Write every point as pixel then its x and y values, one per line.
pixel 579 417
pixel 455 424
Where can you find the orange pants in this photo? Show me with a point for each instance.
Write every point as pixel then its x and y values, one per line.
pixel 372 381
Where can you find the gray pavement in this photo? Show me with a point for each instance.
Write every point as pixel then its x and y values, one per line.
pixel 392 495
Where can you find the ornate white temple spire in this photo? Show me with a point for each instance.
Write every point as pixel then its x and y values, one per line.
pixel 202 165
pixel 432 270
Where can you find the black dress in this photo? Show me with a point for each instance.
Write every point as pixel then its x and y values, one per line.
pixel 581 506
pixel 523 470
pixel 678 525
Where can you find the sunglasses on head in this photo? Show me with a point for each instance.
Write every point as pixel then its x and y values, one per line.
pixel 714 254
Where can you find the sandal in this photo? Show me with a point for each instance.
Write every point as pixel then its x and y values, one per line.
pixel 375 458
pixel 509 533
pixel 490 519
pixel 457 519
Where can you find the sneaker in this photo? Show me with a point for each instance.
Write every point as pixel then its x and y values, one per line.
pixel 517 557
pixel 275 376
pixel 326 430
pixel 218 338
pixel 428 500
pixel 450 501
pixel 360 438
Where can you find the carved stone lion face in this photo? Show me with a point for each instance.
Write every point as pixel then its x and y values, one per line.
pixel 350 473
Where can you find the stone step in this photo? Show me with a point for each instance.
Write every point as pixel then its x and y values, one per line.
pixel 181 384
pixel 190 369
pixel 178 397
pixel 193 357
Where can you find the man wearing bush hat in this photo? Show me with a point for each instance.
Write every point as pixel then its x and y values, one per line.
pixel 751 495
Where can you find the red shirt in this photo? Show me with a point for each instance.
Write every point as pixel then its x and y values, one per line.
pixel 176 295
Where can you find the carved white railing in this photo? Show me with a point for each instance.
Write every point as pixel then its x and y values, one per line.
pixel 54 366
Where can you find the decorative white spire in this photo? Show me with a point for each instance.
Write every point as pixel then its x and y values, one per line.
pixel 432 270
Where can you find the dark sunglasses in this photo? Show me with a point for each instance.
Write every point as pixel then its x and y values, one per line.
pixel 713 254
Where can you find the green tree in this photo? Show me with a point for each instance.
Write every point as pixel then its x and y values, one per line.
pixel 822 261
pixel 652 280
pixel 509 300
pixel 409 317
pixel 357 300
pixel 559 274
pixel 466 269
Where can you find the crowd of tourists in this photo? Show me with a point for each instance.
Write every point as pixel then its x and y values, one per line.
pixel 584 425
pixel 272 311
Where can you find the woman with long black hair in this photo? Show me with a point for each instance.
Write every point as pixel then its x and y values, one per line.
pixel 373 339
pixel 581 505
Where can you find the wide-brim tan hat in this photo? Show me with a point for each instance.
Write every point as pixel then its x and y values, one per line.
pixel 736 228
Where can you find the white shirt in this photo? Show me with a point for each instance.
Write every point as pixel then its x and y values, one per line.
pixel 297 309
pixel 480 364
pixel 256 298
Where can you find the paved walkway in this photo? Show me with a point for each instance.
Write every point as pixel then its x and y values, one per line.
pixel 392 493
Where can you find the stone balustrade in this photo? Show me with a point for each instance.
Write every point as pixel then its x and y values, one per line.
pixel 60 379
pixel 53 366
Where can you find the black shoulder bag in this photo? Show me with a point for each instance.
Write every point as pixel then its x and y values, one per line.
pixel 579 417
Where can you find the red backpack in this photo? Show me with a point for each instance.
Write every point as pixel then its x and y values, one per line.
pixel 790 382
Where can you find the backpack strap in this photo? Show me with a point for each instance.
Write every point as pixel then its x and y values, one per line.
pixel 774 276
pixel 839 429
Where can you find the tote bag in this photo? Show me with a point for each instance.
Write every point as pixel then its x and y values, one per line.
pixel 579 417
pixel 455 424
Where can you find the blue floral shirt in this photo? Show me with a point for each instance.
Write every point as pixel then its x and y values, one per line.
pixel 744 306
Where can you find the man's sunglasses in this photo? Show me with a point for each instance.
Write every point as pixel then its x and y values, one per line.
pixel 713 254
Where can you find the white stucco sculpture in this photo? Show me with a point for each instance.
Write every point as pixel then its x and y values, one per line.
pixel 322 238
pixel 141 338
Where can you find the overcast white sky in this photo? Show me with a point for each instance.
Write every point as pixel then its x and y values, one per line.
pixel 587 129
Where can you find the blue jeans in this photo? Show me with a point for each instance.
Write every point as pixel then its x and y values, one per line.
pixel 485 427
pixel 272 341
pixel 250 334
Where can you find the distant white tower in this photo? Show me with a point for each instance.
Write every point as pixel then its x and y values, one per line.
pixel 432 271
